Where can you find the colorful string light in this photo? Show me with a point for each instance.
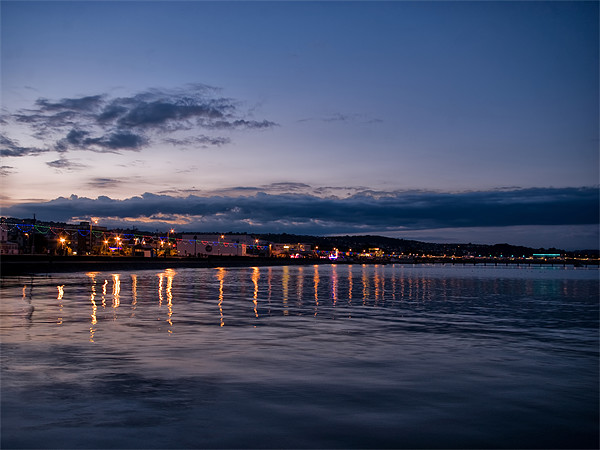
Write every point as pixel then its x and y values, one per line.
pixel 45 230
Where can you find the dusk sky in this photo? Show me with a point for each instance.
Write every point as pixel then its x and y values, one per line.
pixel 439 121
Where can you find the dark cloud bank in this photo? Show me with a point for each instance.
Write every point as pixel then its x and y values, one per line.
pixel 361 213
pixel 103 124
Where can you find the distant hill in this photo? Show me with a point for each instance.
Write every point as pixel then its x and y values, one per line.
pixel 394 245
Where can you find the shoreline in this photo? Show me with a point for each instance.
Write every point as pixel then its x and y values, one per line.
pixel 11 265
pixel 15 265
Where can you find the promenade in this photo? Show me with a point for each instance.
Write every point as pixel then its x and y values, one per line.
pixel 11 265
pixel 25 264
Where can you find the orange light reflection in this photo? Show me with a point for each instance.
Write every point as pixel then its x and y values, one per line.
pixel 350 284
pixel 94 320
pixel 104 293
pixel 133 291
pixel 255 278
pixel 59 297
pixel 116 290
pixel 285 279
pixel 221 278
pixel 300 284
pixel 170 273
pixel 365 283
pixel 160 288
pixel 316 284
pixel 334 284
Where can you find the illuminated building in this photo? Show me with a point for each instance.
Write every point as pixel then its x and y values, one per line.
pixel 215 245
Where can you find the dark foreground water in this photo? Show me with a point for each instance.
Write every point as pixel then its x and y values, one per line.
pixel 302 357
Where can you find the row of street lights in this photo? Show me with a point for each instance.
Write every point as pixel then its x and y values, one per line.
pixel 118 241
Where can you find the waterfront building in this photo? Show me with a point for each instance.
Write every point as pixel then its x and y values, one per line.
pixel 7 247
pixel 217 245
pixel 291 250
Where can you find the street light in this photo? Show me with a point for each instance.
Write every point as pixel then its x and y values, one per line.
pixel 92 221
pixel 221 238
pixel 172 230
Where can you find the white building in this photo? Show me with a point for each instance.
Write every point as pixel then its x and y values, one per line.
pixel 216 245
pixel 6 247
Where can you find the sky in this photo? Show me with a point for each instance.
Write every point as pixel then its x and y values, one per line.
pixel 439 121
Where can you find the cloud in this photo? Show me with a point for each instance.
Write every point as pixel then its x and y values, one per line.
pixel 560 236
pixel 240 124
pixel 286 186
pixel 6 170
pixel 73 104
pixel 272 188
pixel 65 164
pixel 118 140
pixel 122 140
pixel 9 147
pixel 344 118
pixel 102 123
pixel 199 141
pixel 59 163
pixel 360 213
pixel 104 183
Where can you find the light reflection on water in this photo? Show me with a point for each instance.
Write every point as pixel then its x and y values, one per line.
pixel 317 356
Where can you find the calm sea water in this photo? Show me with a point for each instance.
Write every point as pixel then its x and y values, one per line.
pixel 345 356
